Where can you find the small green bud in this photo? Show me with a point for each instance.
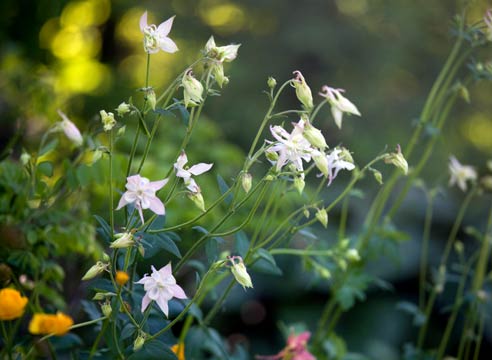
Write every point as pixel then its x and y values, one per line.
pixel 193 89
pixel 269 178
pixel 197 199
pixel 25 158
pixel 271 82
pixel 107 119
pixel 218 72
pixel 139 341
pixel 458 247
pixel 271 155
pixel 106 257
pixel 299 184
pixel 378 176
pixel 321 163
pixel 121 131
pixel 489 165
pixel 239 271
pixel 141 250
pixel 352 255
pixel 123 109
pixel 303 92
pixel 322 217
pixel 106 309
pixel 95 270
pixel 123 240
pixel 306 213
pixel 398 160
pixel 246 182
pixel 150 98
pixel 314 136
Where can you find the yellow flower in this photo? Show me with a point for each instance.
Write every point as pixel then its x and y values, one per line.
pixel 121 278
pixel 179 350
pixel 12 304
pixel 44 324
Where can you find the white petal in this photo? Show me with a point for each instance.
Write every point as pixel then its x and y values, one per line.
pixel 163 305
pixel 166 271
pixel 167 45
pixel 200 168
pixel 164 28
pixel 157 185
pixel 337 115
pixel 123 202
pixel 143 21
pixel 156 205
pixel 145 302
pixel 178 292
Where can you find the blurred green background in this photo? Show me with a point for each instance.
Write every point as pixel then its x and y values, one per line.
pixel 87 55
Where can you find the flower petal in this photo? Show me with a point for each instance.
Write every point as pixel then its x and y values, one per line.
pixel 123 202
pixel 163 305
pixel 157 185
pixel 167 45
pixel 164 28
pixel 200 168
pixel 178 292
pixel 156 205
pixel 145 302
pixel 166 271
pixel 143 21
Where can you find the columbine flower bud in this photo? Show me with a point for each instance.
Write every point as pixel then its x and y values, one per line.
pixel 123 109
pixel 378 176
pixel 95 270
pixel 321 163
pixel 218 72
pixel 139 341
pixel 271 82
pixel 314 136
pixel 121 131
pixel 193 89
pixel 25 158
pixel 398 160
pixel 150 97
pixel 106 257
pixel 70 130
pixel 123 240
pixel 107 119
pixel 322 217
pixel 271 155
pixel 197 199
pixel 299 184
pixel 306 213
pixel 352 255
pixel 239 271
pixel 303 91
pixel 103 295
pixel 141 250
pixel 246 182
pixel 441 279
pixel 106 309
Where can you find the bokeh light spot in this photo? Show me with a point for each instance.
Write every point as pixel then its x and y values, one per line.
pixel 478 130
pixel 225 18
pixel 352 7
pixel 83 76
pixel 128 30
pixel 48 31
pixel 86 13
pixel 74 42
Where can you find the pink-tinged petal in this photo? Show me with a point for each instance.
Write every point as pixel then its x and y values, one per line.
pixel 133 182
pixel 192 186
pixel 123 202
pixel 156 205
pixel 163 305
pixel 145 302
pixel 140 212
pixel 166 271
pixel 143 21
pixel 200 168
pixel 164 28
pixel 143 280
pixel 178 292
pixel 181 161
pixel 157 185
pixel 154 293
pixel 167 45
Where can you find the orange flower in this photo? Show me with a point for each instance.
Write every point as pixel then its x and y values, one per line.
pixel 12 304
pixel 179 350
pixel 121 278
pixel 44 324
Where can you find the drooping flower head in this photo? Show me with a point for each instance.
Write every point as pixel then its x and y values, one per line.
pixel 336 162
pixel 193 89
pixel 141 192
pixel 70 130
pixel 186 173
pixel 303 91
pixel 160 287
pixel 460 174
pixel 156 37
pixel 217 56
pixel 239 271
pixel 339 104
pixel 12 304
pixel 107 120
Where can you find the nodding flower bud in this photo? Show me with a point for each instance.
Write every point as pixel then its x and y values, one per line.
pixel 314 135
pixel 218 72
pixel 221 53
pixel 193 89
pixel 271 82
pixel 398 160
pixel 139 341
pixel 150 98
pixel 107 119
pixel 25 158
pixel 246 182
pixel 95 270
pixel 197 199
pixel 378 176
pixel 106 309
pixel 322 217
pixel 321 163
pixel 303 92
pixel 123 109
pixel 239 271
pixel 123 240
pixel 70 130
pixel 352 255
pixel 299 184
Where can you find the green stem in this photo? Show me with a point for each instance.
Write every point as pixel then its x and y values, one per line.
pixel 98 339
pixel 301 252
pixel 425 250
pixel 219 303
pixel 343 218
pixel 481 325
pixel 8 344
pixel 428 310
pixel 111 200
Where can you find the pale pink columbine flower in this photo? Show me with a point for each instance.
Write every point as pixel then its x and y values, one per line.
pixel 339 104
pixel 186 173
pixel 337 163
pixel 156 37
pixel 141 191
pixel 460 174
pixel 70 130
pixel 291 147
pixel 160 287
pixel 296 349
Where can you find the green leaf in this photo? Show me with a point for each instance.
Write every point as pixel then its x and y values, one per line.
pixel 104 230
pixel 154 350
pixel 48 147
pixel 153 243
pixel 241 243
pixel 183 112
pixel 45 168
pixel 265 263
pixel 419 317
pixel 223 187
pixel 212 250
pixel 84 175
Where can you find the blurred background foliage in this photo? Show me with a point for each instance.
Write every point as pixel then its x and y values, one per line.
pixel 86 55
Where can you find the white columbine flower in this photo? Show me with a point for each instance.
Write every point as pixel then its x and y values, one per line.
pixel 221 53
pixel 240 272
pixel 141 191
pixel 339 104
pixel 107 119
pixel 156 37
pixel 187 173
pixel 70 130
pixel 336 163
pixel 160 287
pixel 291 148
pixel 460 174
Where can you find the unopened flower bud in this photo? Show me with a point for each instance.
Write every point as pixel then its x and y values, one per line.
pixel 121 278
pixel 123 240
pixel 70 130
pixel 398 160
pixel 121 131
pixel 106 309
pixel 306 213
pixel 324 273
pixel 240 273
pixel 95 156
pixel 271 82
pixel 314 136
pixel 321 163
pixel 150 98
pixel 102 295
pixel 123 109
pixel 218 72
pixel 106 257
pixel 322 217
pixel 271 155
pixel 107 119
pixel 95 270
pixel 193 89
pixel 352 255
pixel 141 250
pixel 246 182
pixel 299 184
pixel 139 341
pixel 269 177
pixel 197 199
pixel 378 176
pixel 346 155
pixel 303 92
pixel 25 158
